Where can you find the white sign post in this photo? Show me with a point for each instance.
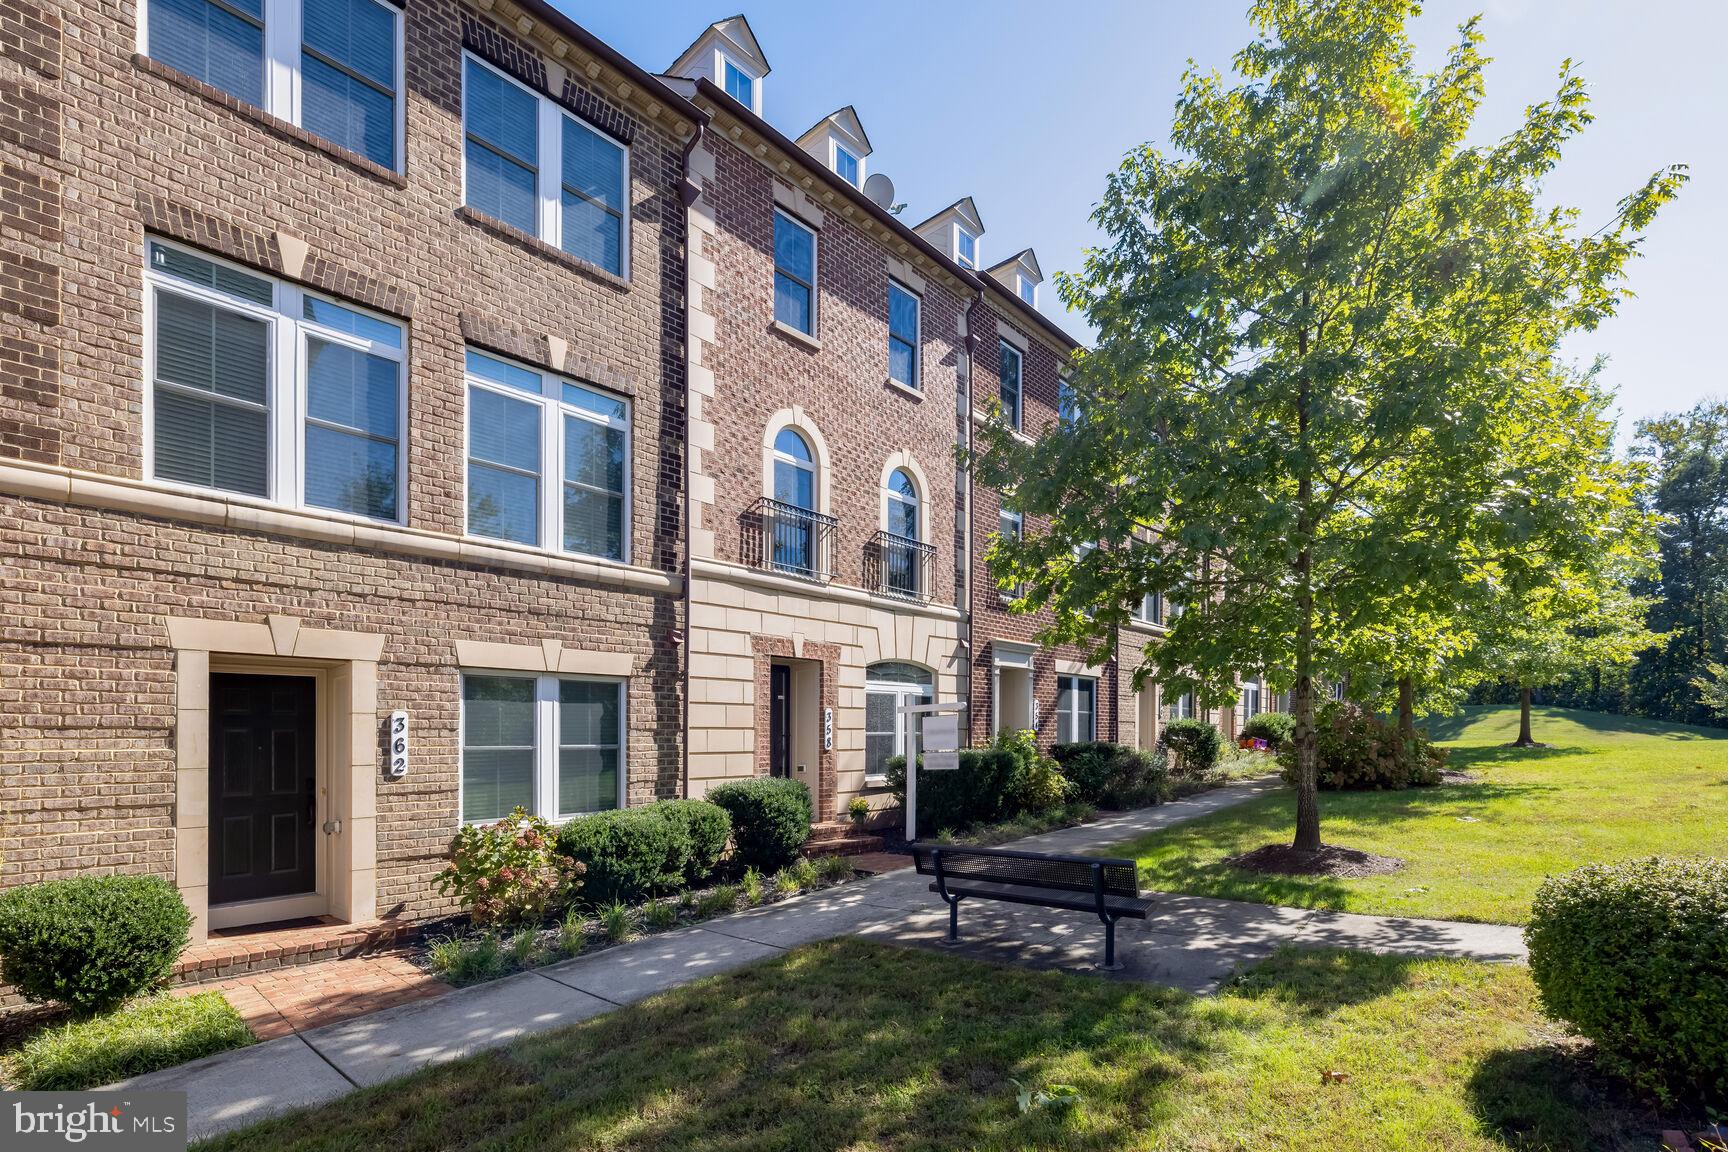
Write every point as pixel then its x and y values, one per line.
pixel 941 748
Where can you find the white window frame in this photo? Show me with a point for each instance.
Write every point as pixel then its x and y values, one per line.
pixel 1026 289
pixel 285 385
pixel 900 691
pixel 1072 715
pixel 553 410
pixel 835 150
pixel 1019 519
pixel 960 256
pixel 727 67
pixel 1150 610
pixel 917 381
pixel 815 268
pixel 1257 686
pixel 545 793
pixel 549 167
pixel 283 41
pixel 1003 349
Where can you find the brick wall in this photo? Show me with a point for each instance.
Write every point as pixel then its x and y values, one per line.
pixel 842 386
pixel 991 619
pixel 88 752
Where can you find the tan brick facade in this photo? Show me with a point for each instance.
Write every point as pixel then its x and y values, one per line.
pixel 101 569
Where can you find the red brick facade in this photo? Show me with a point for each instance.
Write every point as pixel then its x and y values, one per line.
pixel 107 149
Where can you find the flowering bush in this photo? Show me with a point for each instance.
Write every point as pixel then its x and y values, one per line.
pixel 509 872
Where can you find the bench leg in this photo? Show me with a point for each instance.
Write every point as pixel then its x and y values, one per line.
pixel 1110 964
pixel 953 921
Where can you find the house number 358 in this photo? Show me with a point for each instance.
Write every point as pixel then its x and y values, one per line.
pixel 398 745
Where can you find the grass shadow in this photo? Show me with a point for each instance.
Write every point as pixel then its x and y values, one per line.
pixel 839 1044
pixel 1318 981
pixel 1552 1096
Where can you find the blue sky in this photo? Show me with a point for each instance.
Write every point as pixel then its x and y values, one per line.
pixel 1026 106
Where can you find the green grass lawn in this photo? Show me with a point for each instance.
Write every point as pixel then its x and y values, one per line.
pixel 141 1036
pixel 1608 788
pixel 850 1045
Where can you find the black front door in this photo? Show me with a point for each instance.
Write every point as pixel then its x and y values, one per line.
pixel 263 777
pixel 779 720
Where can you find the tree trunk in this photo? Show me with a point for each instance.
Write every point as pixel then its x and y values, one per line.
pixel 1307 745
pixel 1406 709
pixel 1525 740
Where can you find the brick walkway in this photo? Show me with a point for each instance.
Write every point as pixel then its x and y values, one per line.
pixel 288 1000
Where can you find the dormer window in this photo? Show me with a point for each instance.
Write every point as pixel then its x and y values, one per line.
pixel 1028 290
pixel 845 165
pixel 740 85
pixel 965 248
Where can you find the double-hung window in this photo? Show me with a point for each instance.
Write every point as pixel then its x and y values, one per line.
pixel 903 320
pixel 331 66
pixel 1150 610
pixel 845 165
pixel 740 86
pixel 548 460
pixel 552 745
pixel 887 688
pixel 1012 367
pixel 1067 403
pixel 1076 709
pixel 259 388
pixel 794 274
pixel 1010 526
pixel 1253 697
pixel 536 167
pixel 965 248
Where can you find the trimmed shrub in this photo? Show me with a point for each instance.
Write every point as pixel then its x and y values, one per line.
pixel 1039 786
pixel 770 819
pixel 979 791
pixel 706 828
pixel 1360 751
pixel 1635 957
pixel 91 941
pixel 1113 775
pixel 627 853
pixel 1272 727
pixel 1194 745
pixel 508 872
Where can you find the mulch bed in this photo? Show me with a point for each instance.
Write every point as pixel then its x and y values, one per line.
pixel 1330 860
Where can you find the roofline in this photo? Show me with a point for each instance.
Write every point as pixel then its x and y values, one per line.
pixel 595 46
pixel 706 87
pixel 979 283
pixel 715 27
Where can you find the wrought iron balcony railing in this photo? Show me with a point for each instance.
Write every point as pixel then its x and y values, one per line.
pixel 794 541
pixel 897 565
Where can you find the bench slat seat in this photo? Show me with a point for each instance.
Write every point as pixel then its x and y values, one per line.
pixel 1109 888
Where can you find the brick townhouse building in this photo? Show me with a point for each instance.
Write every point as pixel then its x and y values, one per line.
pixel 828 349
pixel 341 375
pixel 411 411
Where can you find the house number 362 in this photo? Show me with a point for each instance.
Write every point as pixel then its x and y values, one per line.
pixel 398 745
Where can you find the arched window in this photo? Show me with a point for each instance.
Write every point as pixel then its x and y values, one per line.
pixel 903 556
pixel 902 505
pixel 886 687
pixel 793 523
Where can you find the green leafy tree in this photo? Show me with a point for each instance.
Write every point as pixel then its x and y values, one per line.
pixel 1688 457
pixel 1712 689
pixel 1313 319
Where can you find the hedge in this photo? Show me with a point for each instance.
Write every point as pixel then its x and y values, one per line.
pixel 1112 775
pixel 705 826
pixel 1635 957
pixel 629 853
pixel 91 942
pixel 770 819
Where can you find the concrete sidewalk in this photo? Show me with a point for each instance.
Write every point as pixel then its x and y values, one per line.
pixel 1190 942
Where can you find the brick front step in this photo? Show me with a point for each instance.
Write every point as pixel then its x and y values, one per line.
pixel 834 830
pixel 266 947
pixel 849 845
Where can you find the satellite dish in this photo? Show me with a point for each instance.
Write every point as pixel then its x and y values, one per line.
pixel 880 189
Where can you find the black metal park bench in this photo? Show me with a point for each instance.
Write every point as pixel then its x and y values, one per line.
pixel 1109 888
